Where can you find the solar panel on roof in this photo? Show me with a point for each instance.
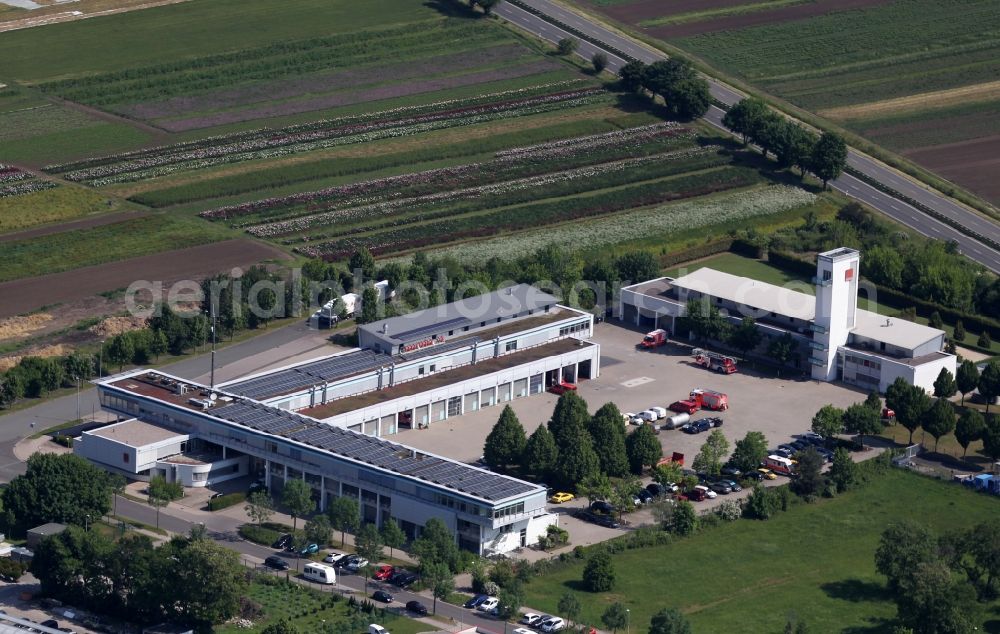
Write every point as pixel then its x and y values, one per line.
pixel 415 333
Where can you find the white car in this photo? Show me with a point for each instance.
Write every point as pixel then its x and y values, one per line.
pixel 357 565
pixel 709 493
pixel 333 557
pixel 530 618
pixel 523 630
pixel 553 625
pixel 488 604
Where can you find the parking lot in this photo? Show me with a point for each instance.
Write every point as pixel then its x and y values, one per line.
pixel 636 379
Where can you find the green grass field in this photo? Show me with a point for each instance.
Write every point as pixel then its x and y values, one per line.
pixel 814 561
pixel 52 205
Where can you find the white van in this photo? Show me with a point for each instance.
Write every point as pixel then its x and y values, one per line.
pixel 320 573
pixel 661 412
pixel 375 628
pixel 648 415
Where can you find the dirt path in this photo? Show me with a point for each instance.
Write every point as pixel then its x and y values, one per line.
pixel 987 91
pixel 73 225
pixel 758 18
pixel 43 16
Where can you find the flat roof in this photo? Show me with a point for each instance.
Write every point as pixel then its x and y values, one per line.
pixel 352 446
pixel 749 292
pixel 443 378
pixel 135 433
pixel 893 330
pixel 503 303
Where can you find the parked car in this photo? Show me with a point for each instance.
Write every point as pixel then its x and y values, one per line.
pixel 645 496
pixel 417 608
pixel 812 437
pixel 732 484
pixel 767 473
pixel 488 604
pixel 476 600
pixel 731 470
pixel 553 625
pixel 309 549
pixel 601 506
pixel 561 496
pixel 784 452
pixel 562 388
pixel 523 630
pixel 333 557
pixel 357 564
pixel 700 426
pixel 345 561
pixel 656 489
pixel 282 542
pixel 404 581
pixel 789 447
pixel 382 595
pixel 720 487
pixel 276 562
pixel 709 493
pixel 530 618
pixel 755 475
pixel 713 421
pixel 383 573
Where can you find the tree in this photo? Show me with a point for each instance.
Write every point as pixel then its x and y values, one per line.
pixel 712 453
pixel 631 75
pixel 749 452
pixel 600 61
pixel 624 492
pixel 746 336
pixel 369 306
pixel 684 92
pixel 684 519
pixel 643 449
pixel 362 262
pixel 862 420
pixel 762 503
pixel 959 332
pixel 979 556
pixel 570 414
pixel 117 484
pixel 260 506
pixel 440 581
pixel 487 5
pixel 829 157
pixel 874 402
pixel 809 478
pixel 909 402
pixel 984 340
pixel 599 573
pixel 744 117
pixel 56 488
pixel 540 453
pixel 297 498
pixel 796 148
pixel 608 435
pixel 577 460
pixel 989 383
pixel 782 349
pixel 970 428
pixel 436 545
pixel 991 438
pixel 595 487
pixel 120 350
pixel 967 378
pixel 569 606
pixel 392 535
pixel 939 420
pixel 828 421
pixel 368 545
pixel 930 601
pixel 615 617
pixel 566 46
pixel 158 343
pixel 318 530
pixel 161 493
pixel 935 321
pixel 945 385
pixel 669 621
pixel 510 603
pixel 843 471
pixel 637 266
pixel 11 388
pixel 506 442
pixel 704 320
pixel 208 580
pixel 345 516
pixel 901 548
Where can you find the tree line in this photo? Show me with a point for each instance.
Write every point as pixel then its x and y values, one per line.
pixel 685 93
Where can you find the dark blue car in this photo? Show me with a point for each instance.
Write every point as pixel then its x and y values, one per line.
pixel 475 601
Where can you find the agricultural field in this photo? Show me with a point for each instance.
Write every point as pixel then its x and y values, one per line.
pixel 750 575
pixel 916 76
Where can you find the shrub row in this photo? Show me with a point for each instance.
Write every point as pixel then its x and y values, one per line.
pixel 259 534
pixel 225 501
pixel 694 253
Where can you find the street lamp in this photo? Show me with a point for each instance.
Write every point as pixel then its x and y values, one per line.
pixel 77 397
pixel 628 619
pixel 86 523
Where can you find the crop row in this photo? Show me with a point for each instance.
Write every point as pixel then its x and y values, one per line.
pixel 551 185
pixel 10 174
pixel 344 50
pixel 282 145
pixel 540 213
pixel 25 187
pixel 732 210
pixel 250 136
pixel 616 145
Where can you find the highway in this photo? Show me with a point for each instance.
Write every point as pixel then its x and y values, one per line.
pixel 853 187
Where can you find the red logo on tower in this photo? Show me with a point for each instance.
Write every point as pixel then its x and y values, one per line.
pixel 848 275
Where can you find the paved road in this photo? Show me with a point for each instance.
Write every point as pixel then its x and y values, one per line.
pixel 892 207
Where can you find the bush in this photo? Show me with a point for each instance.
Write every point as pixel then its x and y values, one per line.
pixel 64 440
pixel 259 534
pixel 729 511
pixel 226 501
pixel 11 570
pixel 762 503
pixel 599 573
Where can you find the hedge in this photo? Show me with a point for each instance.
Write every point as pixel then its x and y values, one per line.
pixel 226 501
pixel 259 534
pixel 694 253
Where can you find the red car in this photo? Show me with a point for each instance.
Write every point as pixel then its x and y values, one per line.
pixel 560 388
pixel 384 572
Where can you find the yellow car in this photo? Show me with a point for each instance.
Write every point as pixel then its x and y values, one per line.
pixel 559 498
pixel 768 474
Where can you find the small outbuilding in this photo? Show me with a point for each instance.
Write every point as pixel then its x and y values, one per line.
pixel 37 534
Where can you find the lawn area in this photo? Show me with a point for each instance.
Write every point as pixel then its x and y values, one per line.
pixel 746 267
pixel 52 205
pixel 315 612
pixel 815 561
